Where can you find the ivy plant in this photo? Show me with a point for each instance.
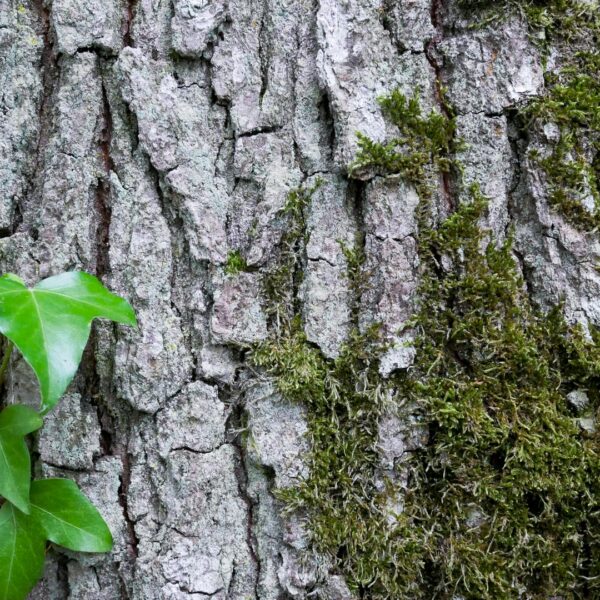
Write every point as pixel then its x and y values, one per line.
pixel 50 325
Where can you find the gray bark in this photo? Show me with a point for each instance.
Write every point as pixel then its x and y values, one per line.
pixel 144 140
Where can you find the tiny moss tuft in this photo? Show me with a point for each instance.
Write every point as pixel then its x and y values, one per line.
pixel 284 277
pixel 236 263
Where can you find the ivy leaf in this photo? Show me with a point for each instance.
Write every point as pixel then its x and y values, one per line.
pixel 67 517
pixel 15 471
pixel 22 553
pixel 50 324
pixel 17 419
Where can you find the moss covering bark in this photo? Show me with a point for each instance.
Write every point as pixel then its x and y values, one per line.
pixel 504 499
pixel 571 101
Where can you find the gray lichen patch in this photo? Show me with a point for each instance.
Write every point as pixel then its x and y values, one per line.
pixel 238 316
pixel 330 224
pixel 82 25
pixel 194 419
pixel 196 24
pixel 71 435
pixel 276 435
pixel 392 265
pixel 492 69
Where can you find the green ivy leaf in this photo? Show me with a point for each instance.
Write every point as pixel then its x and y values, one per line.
pixel 22 553
pixel 50 324
pixel 67 517
pixel 17 419
pixel 15 471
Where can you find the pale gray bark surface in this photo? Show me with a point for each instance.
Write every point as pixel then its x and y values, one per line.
pixel 143 141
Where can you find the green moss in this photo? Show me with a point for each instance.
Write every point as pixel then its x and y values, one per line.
pixel 424 142
pixel 506 495
pixel 566 19
pixel 547 19
pixel 345 398
pixel 284 278
pixel 236 263
pixel 572 103
pixel 504 500
pixel 571 100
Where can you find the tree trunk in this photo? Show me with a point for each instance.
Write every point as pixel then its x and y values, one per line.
pixel 155 143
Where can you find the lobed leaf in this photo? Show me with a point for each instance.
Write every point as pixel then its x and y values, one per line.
pixel 50 324
pixel 61 514
pixel 67 517
pixel 15 471
pixel 22 553
pixel 16 421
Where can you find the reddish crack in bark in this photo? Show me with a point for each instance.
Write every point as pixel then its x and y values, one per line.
pixel 437 8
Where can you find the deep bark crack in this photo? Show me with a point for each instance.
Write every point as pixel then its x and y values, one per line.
pixel 50 75
pixel 234 427
pixel 102 199
pixel 437 8
pixel 130 12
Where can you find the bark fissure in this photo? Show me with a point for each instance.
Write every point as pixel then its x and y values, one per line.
pixel 102 200
pixel 235 429
pixel 431 52
pixel 50 70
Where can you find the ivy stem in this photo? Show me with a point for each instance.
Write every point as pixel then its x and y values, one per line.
pixel 5 361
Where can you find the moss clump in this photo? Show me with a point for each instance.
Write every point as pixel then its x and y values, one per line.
pixel 572 103
pixel 236 263
pixel 283 280
pixel 564 18
pixel 572 100
pixel 505 499
pixel 547 19
pixel 345 398
pixel 425 142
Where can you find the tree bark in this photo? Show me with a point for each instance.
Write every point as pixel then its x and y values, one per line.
pixel 145 141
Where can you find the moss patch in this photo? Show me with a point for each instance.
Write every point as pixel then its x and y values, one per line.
pixel 283 279
pixel 236 263
pixel 547 19
pixel 571 101
pixel 424 144
pixel 504 500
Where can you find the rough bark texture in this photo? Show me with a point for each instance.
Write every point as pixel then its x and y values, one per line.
pixel 145 141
